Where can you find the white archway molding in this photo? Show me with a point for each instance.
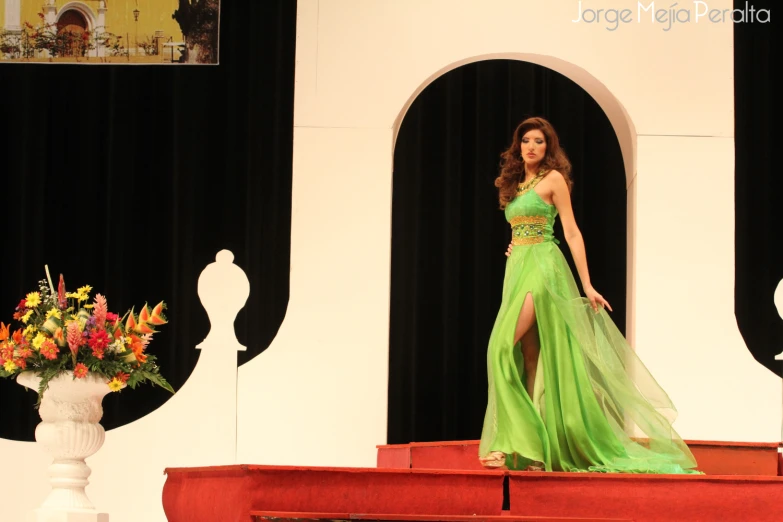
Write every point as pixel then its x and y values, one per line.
pixel 614 110
pixel 618 117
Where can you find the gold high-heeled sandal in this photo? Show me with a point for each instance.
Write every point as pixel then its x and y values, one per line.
pixel 496 459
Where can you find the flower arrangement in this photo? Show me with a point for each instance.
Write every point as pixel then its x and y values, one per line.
pixel 63 332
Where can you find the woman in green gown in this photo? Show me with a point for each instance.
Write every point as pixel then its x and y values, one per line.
pixel 566 391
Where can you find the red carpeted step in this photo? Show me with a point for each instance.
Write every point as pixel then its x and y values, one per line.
pixel 714 458
pixel 648 498
pixel 258 516
pixel 230 493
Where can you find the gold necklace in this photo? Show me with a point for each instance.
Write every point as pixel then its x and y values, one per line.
pixel 524 187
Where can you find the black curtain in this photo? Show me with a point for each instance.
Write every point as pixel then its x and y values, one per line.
pixel 449 237
pixel 758 183
pixel 130 178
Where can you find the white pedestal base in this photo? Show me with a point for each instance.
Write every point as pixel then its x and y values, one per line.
pixel 50 515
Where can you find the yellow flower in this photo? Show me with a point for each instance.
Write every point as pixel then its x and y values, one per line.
pixel 83 293
pixel 115 385
pixel 39 340
pixel 29 331
pixel 32 300
pixel 72 295
pixel 89 306
pixel 54 312
pixel 9 366
pixel 26 316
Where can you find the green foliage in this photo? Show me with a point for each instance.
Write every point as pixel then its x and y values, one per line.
pixel 199 21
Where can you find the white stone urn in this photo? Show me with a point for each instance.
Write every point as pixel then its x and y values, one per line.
pixel 70 432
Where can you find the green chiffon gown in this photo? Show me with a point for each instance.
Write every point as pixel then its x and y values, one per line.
pixel 595 406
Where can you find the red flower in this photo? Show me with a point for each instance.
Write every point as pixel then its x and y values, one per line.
pixel 61 299
pixel 6 352
pixel 112 317
pixel 99 340
pixel 20 363
pixel 22 305
pixel 97 353
pixel 122 377
pixel 80 371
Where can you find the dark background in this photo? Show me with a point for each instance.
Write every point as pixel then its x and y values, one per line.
pixel 132 178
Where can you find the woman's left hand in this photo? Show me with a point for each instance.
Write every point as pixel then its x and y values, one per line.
pixel 596 299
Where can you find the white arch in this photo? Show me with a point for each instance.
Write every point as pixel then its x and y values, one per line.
pixel 618 116
pixel 621 123
pixel 82 9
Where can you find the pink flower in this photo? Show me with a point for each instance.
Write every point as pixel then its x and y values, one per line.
pixel 74 337
pixel 100 311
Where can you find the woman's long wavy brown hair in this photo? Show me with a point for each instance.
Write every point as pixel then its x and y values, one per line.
pixel 512 166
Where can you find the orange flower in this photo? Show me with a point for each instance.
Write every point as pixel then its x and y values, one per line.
pixel 18 336
pixel 4 331
pixel 59 337
pixel 80 371
pixel 49 350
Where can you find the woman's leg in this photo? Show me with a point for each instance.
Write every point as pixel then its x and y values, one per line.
pixel 527 333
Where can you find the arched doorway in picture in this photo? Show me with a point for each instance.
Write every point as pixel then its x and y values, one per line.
pixel 75 24
pixel 72 28
pixel 449 237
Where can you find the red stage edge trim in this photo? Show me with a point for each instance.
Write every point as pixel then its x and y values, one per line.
pixel 377 471
pixel 331 517
pixel 724 444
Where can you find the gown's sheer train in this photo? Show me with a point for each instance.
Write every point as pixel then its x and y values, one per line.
pixel 595 406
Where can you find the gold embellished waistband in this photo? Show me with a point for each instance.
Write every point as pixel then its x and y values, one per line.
pixel 528 230
pixel 530 240
pixel 528 220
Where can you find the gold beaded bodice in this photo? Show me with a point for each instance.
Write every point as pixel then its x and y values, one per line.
pixel 531 218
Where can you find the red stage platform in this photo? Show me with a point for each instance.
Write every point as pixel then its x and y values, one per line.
pixel 714 458
pixel 437 481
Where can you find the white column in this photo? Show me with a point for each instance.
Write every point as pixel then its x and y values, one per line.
pixel 50 13
pixel 100 27
pixel 13 15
